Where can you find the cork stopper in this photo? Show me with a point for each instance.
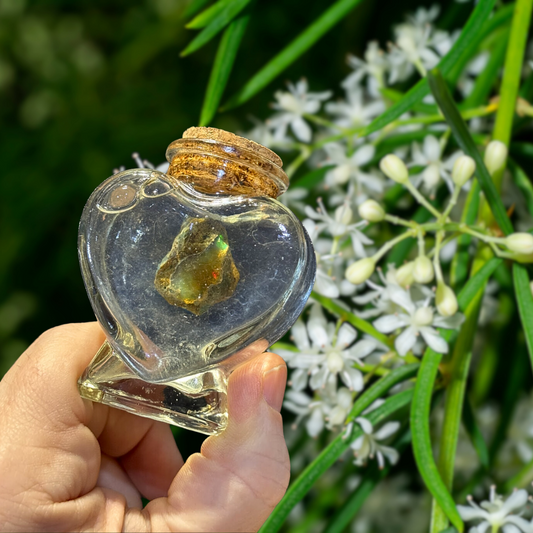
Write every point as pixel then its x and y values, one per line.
pixel 219 162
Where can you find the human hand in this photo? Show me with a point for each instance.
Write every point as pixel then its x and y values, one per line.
pixel 67 464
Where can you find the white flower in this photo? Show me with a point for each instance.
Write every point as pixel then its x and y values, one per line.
pixel 323 355
pixel 349 166
pixel 430 157
pixel 354 112
pixel 374 66
pixel 339 225
pixel 473 69
pixel 292 197
pixel 496 513
pixel 262 134
pixel 144 163
pixel 329 410
pixel 366 446
pixel 417 319
pixel 292 106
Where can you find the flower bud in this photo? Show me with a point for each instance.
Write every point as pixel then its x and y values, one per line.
pixel 370 210
pixel 423 316
pixel 463 169
pixel 393 167
pixel 521 243
pixel 360 271
pixel 343 214
pixel 404 275
pixel 423 269
pixel 446 300
pixel 495 156
pixel 531 287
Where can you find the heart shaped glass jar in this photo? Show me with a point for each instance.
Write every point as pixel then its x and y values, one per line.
pixel 190 273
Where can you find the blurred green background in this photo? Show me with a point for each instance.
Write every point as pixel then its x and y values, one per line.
pixel 84 84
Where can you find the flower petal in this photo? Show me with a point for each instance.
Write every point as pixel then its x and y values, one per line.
pixel 325 286
pixel 515 501
pixel 434 340
pixel 299 335
pixel 299 379
pixel 364 154
pixel 353 379
pixel 387 430
pixel 362 349
pixel 315 424
pixel 388 323
pixel 346 335
pixel 301 129
pixel 405 341
pixel 365 424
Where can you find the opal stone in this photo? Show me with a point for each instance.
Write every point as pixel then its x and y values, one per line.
pixel 199 270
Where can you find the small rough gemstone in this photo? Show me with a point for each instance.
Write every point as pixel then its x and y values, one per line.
pixel 199 270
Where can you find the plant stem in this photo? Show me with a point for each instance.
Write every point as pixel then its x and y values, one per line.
pixel 511 76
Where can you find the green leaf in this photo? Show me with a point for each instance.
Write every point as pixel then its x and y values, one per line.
pixel 292 51
pixel 231 9
pixel 420 408
pixel 523 183
pixel 372 476
pixel 512 71
pixel 478 442
pixel 194 7
pixel 476 282
pixel 486 81
pixel 224 60
pixel 422 401
pixel 301 486
pixel 464 46
pixel 208 15
pixel 524 298
pixel 359 323
pixel 466 143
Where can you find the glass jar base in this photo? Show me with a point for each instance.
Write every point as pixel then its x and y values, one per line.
pixel 197 402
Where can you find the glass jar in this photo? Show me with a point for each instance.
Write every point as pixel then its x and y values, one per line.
pixel 190 273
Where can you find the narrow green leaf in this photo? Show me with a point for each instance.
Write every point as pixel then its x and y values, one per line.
pixel 524 299
pixel 359 323
pixel 487 79
pixel 208 15
pixel 513 70
pixel 231 10
pixel 420 408
pixel 194 7
pixel 466 43
pixel 293 51
pixel 372 476
pixel 380 388
pixel 224 60
pixel 466 143
pixel 422 402
pixel 523 183
pixel 327 458
pixel 478 442
pixel 476 282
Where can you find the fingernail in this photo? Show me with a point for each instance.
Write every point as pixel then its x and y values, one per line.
pixel 274 381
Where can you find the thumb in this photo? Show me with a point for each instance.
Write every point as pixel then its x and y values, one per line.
pixel 240 475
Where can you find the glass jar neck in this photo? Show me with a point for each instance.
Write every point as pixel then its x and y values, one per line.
pixel 218 162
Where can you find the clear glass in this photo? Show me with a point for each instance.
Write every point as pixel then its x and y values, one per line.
pixel 186 286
